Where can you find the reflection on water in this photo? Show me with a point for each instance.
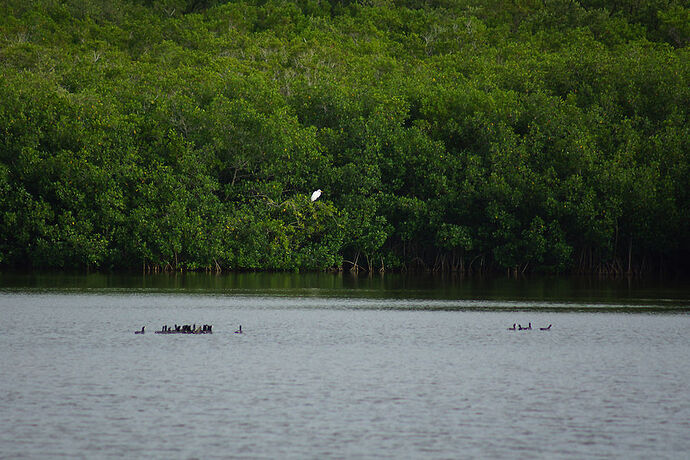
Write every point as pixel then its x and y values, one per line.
pixel 334 366
pixel 674 292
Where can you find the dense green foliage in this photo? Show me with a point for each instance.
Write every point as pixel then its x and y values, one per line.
pixel 445 134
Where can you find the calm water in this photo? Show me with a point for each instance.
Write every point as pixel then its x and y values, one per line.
pixel 341 367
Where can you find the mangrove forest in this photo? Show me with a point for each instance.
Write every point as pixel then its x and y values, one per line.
pixel 520 136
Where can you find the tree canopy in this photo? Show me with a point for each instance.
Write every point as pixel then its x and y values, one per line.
pixel 519 135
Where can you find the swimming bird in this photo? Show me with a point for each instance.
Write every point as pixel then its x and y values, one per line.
pixel 545 328
pixel 529 328
pixel 141 331
pixel 512 328
pixel 239 331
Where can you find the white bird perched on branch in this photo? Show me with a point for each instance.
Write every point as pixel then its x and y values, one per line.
pixel 315 196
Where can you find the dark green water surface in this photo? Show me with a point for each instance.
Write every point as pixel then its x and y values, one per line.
pixel 544 292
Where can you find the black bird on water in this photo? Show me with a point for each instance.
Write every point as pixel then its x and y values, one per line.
pixel 545 328
pixel 141 331
pixel 239 331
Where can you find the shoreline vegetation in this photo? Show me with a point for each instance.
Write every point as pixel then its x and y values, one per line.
pixel 447 136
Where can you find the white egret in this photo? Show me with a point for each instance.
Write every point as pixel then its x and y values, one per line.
pixel 315 196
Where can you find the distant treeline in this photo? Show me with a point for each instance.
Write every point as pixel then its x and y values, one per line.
pixel 470 135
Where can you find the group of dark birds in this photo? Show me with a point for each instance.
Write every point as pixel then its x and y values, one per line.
pixel 186 329
pixel 208 329
pixel 527 328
